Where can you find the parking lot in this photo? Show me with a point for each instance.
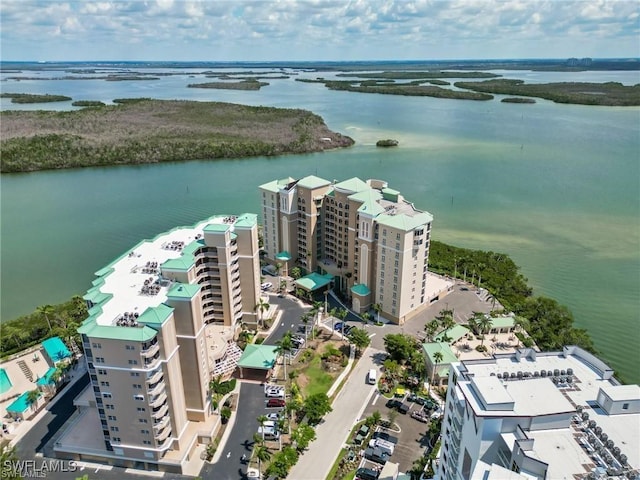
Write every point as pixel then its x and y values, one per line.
pixel 411 433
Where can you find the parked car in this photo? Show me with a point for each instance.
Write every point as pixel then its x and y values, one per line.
pixel 266 285
pixel 403 408
pixel 420 416
pixel 275 393
pixel 366 474
pixel 338 326
pixel 273 416
pixel 385 436
pixel 376 455
pixel 298 341
pixel 393 403
pixel 275 402
pixel 347 329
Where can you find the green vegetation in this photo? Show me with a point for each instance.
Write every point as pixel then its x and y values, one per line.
pixel 47 321
pixel 517 100
pixel 33 98
pixel 610 93
pixel 550 324
pixel 282 462
pixel 413 75
pixel 441 83
pixel 319 380
pixel 409 89
pixel 88 103
pixel 360 338
pixel 387 143
pixel 248 84
pixel 150 131
pixel 315 407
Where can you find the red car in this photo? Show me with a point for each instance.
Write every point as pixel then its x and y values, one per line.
pixel 275 402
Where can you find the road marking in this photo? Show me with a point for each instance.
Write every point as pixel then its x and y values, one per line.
pixel 372 335
pixel 228 454
pixel 375 399
pixel 144 472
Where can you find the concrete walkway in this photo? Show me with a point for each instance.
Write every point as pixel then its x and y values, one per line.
pixel 333 432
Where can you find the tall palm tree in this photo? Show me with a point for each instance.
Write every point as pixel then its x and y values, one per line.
pixel 377 308
pixel 261 307
pixel 262 419
pixel 32 397
pixel 431 328
pixel 278 269
pixel 437 358
pixel 45 311
pixel 306 318
pixel 284 347
pixel 481 267
pixel 263 455
pixel 485 325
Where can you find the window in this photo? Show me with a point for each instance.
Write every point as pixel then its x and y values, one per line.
pixel 141 409
pixel 114 429
pixel 104 384
pixel 625 406
pixel 115 439
pixel 99 359
pixel 129 347
pixel 144 432
pixel 146 442
pixel 143 420
pixel 106 395
pixel 133 362
pixel 397 236
pixel 112 417
pixel 108 406
pixel 396 263
pixel 135 374
pixel 138 397
pixel 137 386
pixel 102 371
pixel 96 345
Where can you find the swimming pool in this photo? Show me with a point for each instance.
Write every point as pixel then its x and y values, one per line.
pixel 5 383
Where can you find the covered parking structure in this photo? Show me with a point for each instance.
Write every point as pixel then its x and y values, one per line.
pixel 314 282
pixel 257 362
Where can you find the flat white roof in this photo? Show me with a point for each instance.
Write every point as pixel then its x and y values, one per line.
pixel 559 447
pixel 491 390
pixel 142 264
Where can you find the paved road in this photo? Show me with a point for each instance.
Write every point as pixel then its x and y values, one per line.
pixel 251 405
pixel 332 433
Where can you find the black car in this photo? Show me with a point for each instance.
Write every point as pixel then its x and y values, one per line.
pixel 403 408
pixel 366 474
pixel 376 455
pixel 386 436
pixel 393 403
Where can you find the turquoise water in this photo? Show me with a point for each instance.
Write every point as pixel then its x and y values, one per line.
pixel 56 349
pixel 5 382
pixel 555 186
pixel 20 404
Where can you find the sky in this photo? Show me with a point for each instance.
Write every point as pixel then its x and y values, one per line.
pixel 308 30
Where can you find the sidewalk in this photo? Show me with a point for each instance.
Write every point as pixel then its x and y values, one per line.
pixel 333 432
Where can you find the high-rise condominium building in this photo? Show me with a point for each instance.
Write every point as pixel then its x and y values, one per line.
pixel 365 234
pixel 162 322
pixel 533 415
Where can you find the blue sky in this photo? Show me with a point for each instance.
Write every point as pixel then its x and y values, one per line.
pixel 264 30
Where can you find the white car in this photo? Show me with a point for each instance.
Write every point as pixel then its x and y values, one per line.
pixel 253 473
pixel 266 285
pixel 273 417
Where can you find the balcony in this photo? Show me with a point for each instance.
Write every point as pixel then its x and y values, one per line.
pixel 163 434
pixel 161 424
pixel 152 362
pixel 157 401
pixel 151 351
pixel 162 411
pixel 157 389
pixel 155 377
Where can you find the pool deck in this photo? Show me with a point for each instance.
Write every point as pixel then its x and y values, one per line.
pixel 19 381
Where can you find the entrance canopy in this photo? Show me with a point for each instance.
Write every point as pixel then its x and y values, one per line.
pixel 283 256
pixel 314 281
pixel 262 357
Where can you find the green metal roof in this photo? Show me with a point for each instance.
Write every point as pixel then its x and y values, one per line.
pixel 314 281
pixel 403 221
pixel 246 220
pixel 191 248
pixel 262 357
pixel 217 227
pixel 390 194
pixel 183 290
pixel 353 185
pixel 156 315
pixel 46 378
pixel 369 201
pixel 284 256
pixel 276 185
pixel 95 296
pixel 448 356
pixel 360 289
pixel 311 181
pixel 136 334
pixel 502 322
pixel 455 333
pixel 182 263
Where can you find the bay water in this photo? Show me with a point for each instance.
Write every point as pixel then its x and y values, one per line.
pixel 557 187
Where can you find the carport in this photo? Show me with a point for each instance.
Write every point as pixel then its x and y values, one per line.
pixel 313 282
pixel 257 362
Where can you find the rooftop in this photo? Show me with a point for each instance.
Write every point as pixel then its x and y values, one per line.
pixel 133 285
pixel 311 182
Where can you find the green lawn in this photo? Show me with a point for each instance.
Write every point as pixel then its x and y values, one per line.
pixel 319 380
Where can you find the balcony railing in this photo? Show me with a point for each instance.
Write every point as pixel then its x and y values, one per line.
pixel 155 377
pixel 161 412
pixel 161 424
pixel 152 362
pixel 151 351
pixel 156 402
pixel 156 389
pixel 163 434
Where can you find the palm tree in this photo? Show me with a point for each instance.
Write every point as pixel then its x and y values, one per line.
pixel 485 326
pixel 8 458
pixel 261 307
pixel 341 313
pixel 284 347
pixel 262 419
pixel 431 328
pixel 278 268
pixel 32 397
pixel 305 319
pixel 45 310
pixel 437 358
pixel 481 267
pixel 377 308
pixel 263 455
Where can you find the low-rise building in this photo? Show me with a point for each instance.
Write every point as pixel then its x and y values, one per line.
pixel 539 415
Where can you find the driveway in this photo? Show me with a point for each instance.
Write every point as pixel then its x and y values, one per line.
pixel 332 433
pixel 251 404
